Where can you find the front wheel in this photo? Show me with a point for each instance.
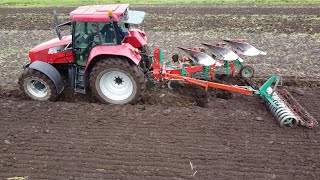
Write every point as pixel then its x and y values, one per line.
pixel 246 71
pixel 114 80
pixel 37 85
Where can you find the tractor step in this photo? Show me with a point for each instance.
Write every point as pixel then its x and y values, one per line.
pixel 80 81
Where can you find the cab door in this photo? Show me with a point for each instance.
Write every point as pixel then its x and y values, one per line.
pixel 87 35
pixel 83 38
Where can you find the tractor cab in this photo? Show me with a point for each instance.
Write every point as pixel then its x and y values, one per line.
pixel 104 25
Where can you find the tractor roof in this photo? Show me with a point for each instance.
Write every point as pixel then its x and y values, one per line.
pixel 98 13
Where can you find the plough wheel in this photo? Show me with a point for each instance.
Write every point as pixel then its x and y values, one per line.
pixel 246 71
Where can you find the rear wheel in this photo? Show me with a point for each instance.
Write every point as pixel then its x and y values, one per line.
pixel 114 80
pixel 37 85
pixel 246 71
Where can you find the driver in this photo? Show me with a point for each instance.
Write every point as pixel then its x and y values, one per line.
pixel 123 33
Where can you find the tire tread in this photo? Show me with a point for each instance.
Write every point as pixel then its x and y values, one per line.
pixel 120 62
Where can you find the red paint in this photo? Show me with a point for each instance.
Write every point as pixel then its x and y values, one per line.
pixel 233 69
pixel 156 64
pixel 40 52
pixel 211 73
pixel 136 38
pixel 206 84
pixel 172 71
pixel 125 50
pixel 98 13
pixel 192 69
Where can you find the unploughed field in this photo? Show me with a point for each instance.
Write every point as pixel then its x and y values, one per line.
pixel 166 136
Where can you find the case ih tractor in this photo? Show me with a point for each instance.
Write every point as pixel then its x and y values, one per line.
pixel 102 52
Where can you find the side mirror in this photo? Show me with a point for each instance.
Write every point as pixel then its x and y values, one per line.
pixel 175 57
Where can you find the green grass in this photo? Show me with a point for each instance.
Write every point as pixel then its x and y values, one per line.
pixel 83 2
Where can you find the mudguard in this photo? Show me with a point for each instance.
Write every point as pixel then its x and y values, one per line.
pixel 125 50
pixel 49 71
pixel 136 38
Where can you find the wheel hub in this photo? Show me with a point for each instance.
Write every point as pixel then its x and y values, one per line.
pixel 38 85
pixel 37 88
pixel 116 85
pixel 118 80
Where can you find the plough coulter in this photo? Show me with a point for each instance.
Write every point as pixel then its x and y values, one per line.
pixel 105 54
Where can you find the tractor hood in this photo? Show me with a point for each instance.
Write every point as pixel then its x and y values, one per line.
pixel 41 51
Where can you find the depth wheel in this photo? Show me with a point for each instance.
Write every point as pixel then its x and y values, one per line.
pixel 246 71
pixel 114 80
pixel 37 85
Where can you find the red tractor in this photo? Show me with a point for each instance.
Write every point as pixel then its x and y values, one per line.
pixel 102 52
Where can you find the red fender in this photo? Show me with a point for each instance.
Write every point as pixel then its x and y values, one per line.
pixel 126 50
pixel 136 38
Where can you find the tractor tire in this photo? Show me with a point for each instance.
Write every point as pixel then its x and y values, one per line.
pixel 246 71
pixel 37 85
pixel 114 80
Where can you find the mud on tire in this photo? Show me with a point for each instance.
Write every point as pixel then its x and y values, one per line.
pixel 114 80
pixel 37 85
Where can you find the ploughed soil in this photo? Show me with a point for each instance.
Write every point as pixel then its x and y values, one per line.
pixel 165 136
pixel 180 18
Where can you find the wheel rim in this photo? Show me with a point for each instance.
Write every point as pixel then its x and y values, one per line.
pixel 116 85
pixel 37 88
pixel 247 72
